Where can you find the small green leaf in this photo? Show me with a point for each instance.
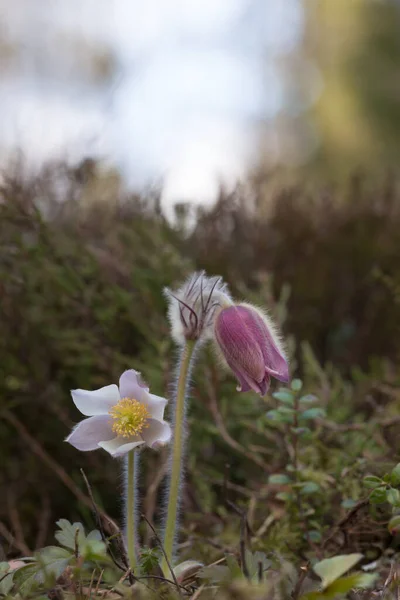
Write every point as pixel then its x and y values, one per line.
pixel 313 536
pixel 330 569
pixel 278 479
pixel 310 487
pixel 285 397
pixel 278 417
pixel 308 399
pixel 313 413
pixel 296 385
pixel 348 503
pixel 378 495
pixel 393 496
pixel 394 524
pixel 301 430
pixel 285 496
pixel 370 481
pixel 395 475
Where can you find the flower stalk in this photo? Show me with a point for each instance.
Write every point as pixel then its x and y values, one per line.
pixel 130 507
pixel 177 453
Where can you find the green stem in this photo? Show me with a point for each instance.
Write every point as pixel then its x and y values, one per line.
pixel 130 511
pixel 177 455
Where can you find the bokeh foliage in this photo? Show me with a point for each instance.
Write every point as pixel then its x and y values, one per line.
pixel 81 288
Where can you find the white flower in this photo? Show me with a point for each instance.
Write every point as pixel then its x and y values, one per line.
pixel 192 307
pixel 120 419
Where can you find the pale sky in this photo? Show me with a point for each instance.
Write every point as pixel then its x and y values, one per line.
pixel 194 80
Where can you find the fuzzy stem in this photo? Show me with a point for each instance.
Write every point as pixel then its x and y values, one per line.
pixel 177 454
pixel 131 477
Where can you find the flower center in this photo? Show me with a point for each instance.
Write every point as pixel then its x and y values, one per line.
pixel 130 417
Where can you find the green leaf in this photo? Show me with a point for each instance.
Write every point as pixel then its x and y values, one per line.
pixel 308 399
pixel 313 413
pixel 233 566
pixel 296 385
pixel 395 475
pixel 188 568
pixel 66 537
pixel 54 560
pixel 252 562
pixel 394 524
pixel 28 578
pixel 370 481
pixel 285 496
pixel 331 569
pixel 393 496
pixel 279 417
pixel 378 495
pixel 349 503
pixel 278 479
pixel 313 536
pixel 149 559
pixel 345 584
pixel 310 487
pixel 6 578
pixel 301 430
pixel 285 397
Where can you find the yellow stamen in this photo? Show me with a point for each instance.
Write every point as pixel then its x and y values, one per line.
pixel 130 417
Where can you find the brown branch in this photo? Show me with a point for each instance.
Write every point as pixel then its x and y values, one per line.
pixel 46 458
pixel 165 555
pixel 219 422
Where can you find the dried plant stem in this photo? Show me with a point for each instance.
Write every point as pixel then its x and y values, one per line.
pixel 177 454
pixel 131 510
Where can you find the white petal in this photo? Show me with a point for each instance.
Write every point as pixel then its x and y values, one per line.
pixel 89 432
pixel 156 406
pixel 97 402
pixel 121 445
pixel 131 386
pixel 156 432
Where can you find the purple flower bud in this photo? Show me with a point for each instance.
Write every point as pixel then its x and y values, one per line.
pixel 251 347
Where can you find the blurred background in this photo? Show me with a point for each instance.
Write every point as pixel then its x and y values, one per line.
pixel 140 141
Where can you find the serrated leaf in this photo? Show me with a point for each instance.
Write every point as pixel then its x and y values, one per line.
pixel 395 475
pixel 330 569
pixel 278 479
pixel 370 481
pixel 285 397
pixel 394 524
pixel 296 385
pixel 66 537
pixel 393 496
pixel 313 413
pixel 378 495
